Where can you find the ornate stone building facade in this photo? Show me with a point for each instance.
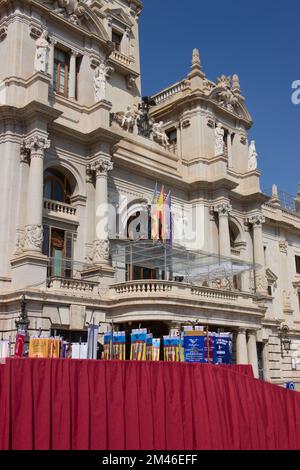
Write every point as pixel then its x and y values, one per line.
pixel 76 137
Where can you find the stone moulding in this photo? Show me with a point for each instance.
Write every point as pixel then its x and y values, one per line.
pixel 3 32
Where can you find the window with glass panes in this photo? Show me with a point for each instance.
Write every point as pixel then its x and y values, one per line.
pixel 297 260
pixel 58 245
pixel 117 39
pixel 61 72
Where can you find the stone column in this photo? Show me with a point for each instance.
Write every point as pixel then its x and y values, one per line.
pixel 100 169
pixel 224 209
pixel 252 352
pixel 37 144
pixel 257 220
pixel 51 57
pixel 241 347
pixel 286 295
pixel 229 149
pixel 72 75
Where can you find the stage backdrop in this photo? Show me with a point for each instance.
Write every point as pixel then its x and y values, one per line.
pixel 62 404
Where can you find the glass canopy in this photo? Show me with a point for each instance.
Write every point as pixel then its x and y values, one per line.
pixel 191 265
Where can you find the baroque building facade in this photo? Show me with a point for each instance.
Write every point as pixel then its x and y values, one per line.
pixel 76 137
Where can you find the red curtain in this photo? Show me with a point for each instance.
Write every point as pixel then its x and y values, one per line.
pixel 96 405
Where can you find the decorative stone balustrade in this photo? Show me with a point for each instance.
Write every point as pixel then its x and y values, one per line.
pixel 59 208
pixel 143 287
pixel 214 294
pixel 176 289
pixel 171 91
pixel 74 285
pixel 123 59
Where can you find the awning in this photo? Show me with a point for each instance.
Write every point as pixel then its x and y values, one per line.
pixel 192 265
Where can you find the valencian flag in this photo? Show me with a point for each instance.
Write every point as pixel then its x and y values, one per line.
pixel 161 218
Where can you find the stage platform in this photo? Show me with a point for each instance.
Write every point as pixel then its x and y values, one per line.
pixel 97 405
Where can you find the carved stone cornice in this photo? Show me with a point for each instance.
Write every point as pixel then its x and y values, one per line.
pixel 223 208
pixel 37 144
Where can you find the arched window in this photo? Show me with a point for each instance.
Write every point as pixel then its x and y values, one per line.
pixel 234 234
pixel 57 186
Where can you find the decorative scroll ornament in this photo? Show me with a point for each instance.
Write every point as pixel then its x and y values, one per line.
pixel 33 239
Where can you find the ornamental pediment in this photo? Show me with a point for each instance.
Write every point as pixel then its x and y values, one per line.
pixel 84 13
pixel 119 15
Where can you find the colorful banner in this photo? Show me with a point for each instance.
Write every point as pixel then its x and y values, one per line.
pixel 138 345
pixel 171 349
pixel 107 353
pixel 20 342
pixel 149 347
pixel 119 346
pixel 79 350
pixel 39 347
pixel 223 348
pixel 194 346
pixel 156 349
pixel 93 331
pixel 54 348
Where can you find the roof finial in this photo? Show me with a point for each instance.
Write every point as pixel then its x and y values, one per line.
pixel 236 87
pixel 275 200
pixel 196 63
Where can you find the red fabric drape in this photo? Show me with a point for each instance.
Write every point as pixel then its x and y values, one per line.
pixel 94 405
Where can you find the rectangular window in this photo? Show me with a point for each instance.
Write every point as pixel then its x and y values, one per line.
pixel 297 259
pixel 61 72
pixel 117 39
pixel 58 245
pixel 270 291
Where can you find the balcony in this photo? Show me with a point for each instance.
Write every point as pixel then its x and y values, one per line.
pixel 122 58
pixel 77 286
pixel 176 290
pixel 171 91
pixel 59 209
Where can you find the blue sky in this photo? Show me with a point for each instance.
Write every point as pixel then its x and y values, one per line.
pixel 260 41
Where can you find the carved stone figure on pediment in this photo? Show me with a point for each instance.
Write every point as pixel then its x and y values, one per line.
pixel 72 10
pixel 226 97
pixel 159 134
pixel 129 119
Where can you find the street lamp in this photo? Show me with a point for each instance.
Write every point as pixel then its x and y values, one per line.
pixel 285 341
